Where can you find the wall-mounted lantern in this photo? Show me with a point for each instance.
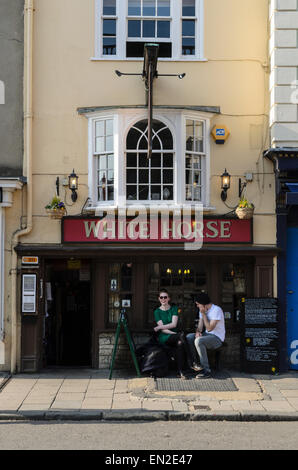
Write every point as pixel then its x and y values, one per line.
pixel 73 182
pixel 225 184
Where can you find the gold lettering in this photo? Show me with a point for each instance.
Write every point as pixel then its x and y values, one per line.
pixel 225 227
pixel 213 229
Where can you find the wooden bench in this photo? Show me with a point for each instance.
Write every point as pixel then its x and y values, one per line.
pixel 218 354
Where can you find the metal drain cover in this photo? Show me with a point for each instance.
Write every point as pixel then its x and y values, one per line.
pixel 218 382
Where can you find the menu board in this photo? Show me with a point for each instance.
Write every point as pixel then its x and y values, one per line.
pixel 260 335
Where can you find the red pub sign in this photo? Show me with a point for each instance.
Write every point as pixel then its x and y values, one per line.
pixel 209 230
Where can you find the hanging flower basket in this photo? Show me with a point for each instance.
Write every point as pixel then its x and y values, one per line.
pixel 56 208
pixel 245 210
pixel 56 213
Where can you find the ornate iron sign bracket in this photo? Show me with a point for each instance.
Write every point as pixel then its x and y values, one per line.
pixel 149 74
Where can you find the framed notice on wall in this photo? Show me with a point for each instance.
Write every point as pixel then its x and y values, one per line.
pixel 29 294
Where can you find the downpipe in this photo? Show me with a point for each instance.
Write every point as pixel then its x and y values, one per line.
pixel 27 168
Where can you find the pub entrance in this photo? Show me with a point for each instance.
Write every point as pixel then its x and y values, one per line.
pixel 67 319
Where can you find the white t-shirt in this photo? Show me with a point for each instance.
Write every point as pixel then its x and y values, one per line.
pixel 216 313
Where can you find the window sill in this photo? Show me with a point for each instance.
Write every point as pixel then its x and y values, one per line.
pixel 139 59
pixel 160 206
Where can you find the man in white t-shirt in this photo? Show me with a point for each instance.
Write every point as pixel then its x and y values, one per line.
pixel 212 317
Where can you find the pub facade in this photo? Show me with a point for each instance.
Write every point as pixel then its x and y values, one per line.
pixel 149 192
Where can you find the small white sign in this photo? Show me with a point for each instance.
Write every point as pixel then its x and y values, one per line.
pixel 126 303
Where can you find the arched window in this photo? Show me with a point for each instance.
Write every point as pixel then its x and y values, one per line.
pixel 152 178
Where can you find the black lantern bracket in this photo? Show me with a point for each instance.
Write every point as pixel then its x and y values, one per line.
pixel 148 75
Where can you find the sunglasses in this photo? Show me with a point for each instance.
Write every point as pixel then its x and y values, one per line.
pixel 163 297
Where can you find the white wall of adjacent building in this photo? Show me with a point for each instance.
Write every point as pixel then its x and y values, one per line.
pixel 283 52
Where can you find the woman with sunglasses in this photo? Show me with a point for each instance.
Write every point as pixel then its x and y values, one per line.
pixel 166 317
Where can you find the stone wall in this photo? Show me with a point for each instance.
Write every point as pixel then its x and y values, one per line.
pixel 230 356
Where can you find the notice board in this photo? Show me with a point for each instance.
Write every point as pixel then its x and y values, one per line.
pixel 260 335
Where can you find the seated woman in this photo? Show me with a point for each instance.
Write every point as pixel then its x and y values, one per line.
pixel 166 317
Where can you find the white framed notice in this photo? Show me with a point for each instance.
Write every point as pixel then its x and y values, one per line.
pixel 29 293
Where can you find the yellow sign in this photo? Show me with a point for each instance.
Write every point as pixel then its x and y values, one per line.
pixel 220 134
pixel 73 264
pixel 29 259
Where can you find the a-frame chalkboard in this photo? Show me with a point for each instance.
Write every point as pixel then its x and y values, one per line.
pixel 123 322
pixel 260 339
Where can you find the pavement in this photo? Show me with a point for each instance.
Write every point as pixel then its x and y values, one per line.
pixel 87 394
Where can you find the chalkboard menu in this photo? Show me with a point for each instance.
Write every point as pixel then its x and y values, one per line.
pixel 260 335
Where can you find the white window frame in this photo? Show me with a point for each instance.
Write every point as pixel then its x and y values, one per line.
pixel 175 35
pixel 123 120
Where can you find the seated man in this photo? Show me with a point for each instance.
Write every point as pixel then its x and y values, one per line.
pixel 192 352
pixel 212 317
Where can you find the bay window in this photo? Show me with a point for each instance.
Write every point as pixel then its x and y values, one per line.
pixel 120 170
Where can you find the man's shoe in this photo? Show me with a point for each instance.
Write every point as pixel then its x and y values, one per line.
pixel 204 374
pixel 196 368
pixel 182 376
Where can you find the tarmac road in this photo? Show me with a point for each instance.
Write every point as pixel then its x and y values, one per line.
pixel 207 435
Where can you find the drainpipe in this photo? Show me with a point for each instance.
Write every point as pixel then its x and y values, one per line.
pixel 27 165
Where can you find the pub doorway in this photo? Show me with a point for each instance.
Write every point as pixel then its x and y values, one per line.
pixel 67 320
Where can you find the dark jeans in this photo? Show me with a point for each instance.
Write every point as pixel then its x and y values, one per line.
pixel 177 341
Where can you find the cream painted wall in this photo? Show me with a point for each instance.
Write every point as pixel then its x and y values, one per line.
pixel 234 77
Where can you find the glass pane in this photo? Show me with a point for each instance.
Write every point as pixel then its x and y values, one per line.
pixel 102 165
pixel 134 7
pixel 109 46
pixel 131 176
pixel 109 27
pixel 143 144
pixel 167 193
pixel 188 195
pixel 196 193
pixel 143 160
pixel 188 7
pixel 188 27
pixel 168 176
pixel 131 160
pixel 197 163
pixel 143 176
pixel 188 46
pixel 132 139
pixel 102 178
pixel 155 193
pixel 109 143
pixel 109 7
pixel 99 144
pixel 109 127
pixel 100 129
pixel 188 179
pixel 163 29
pixel 110 161
pixel 131 193
pixel 156 160
pixel 143 192
pixel 110 177
pixel 155 176
pixel 197 177
pixel 149 8
pixel 110 193
pixel 148 29
pixel 166 138
pixel 134 29
pixel 156 145
pixel 188 162
pixel 167 160
pixel 163 8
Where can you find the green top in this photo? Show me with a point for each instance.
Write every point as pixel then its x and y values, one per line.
pixel 166 317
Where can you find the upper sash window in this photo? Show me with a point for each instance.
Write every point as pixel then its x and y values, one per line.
pixel 124 26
